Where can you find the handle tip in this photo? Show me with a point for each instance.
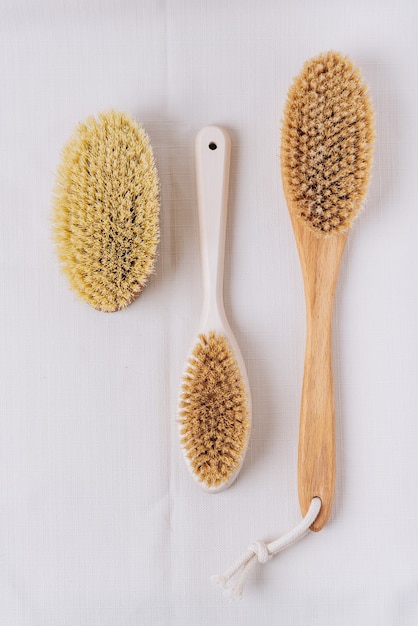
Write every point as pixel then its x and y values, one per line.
pixel 324 512
pixel 213 138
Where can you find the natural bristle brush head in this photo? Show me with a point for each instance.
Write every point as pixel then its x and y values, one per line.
pixel 327 139
pixel 106 211
pixel 214 412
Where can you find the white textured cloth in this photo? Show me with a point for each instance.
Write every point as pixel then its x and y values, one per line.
pixel 100 522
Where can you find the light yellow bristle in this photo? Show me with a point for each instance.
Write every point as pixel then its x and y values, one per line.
pixel 106 211
pixel 214 414
pixel 327 143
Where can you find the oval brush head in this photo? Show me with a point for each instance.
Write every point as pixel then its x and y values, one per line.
pixel 327 143
pixel 214 412
pixel 106 211
pixel 326 151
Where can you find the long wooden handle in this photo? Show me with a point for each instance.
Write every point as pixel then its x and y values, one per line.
pixel 320 260
pixel 316 454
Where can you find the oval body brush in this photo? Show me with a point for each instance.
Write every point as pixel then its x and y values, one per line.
pixel 214 404
pixel 326 151
pixel 106 211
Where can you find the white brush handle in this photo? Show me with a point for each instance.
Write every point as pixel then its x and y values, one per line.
pixel 213 154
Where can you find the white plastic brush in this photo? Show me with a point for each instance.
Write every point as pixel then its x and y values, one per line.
pixel 215 406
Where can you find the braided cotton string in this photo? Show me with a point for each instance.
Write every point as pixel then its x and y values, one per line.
pixel 261 552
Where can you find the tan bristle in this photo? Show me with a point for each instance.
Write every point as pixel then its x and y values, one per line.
pixel 214 415
pixel 327 143
pixel 106 211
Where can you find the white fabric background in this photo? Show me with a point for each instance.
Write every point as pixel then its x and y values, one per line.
pixel 100 522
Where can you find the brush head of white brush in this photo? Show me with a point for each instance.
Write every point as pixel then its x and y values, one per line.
pixel 214 413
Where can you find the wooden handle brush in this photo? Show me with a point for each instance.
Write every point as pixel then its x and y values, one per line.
pixel 327 142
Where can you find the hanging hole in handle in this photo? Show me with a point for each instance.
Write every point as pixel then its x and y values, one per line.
pixel 212 146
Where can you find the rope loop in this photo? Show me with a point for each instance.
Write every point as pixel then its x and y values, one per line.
pixel 261 552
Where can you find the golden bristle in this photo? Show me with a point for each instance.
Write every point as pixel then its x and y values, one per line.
pixel 106 211
pixel 327 143
pixel 214 414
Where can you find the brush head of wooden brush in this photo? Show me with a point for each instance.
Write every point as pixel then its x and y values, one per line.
pixel 213 412
pixel 106 211
pixel 327 143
